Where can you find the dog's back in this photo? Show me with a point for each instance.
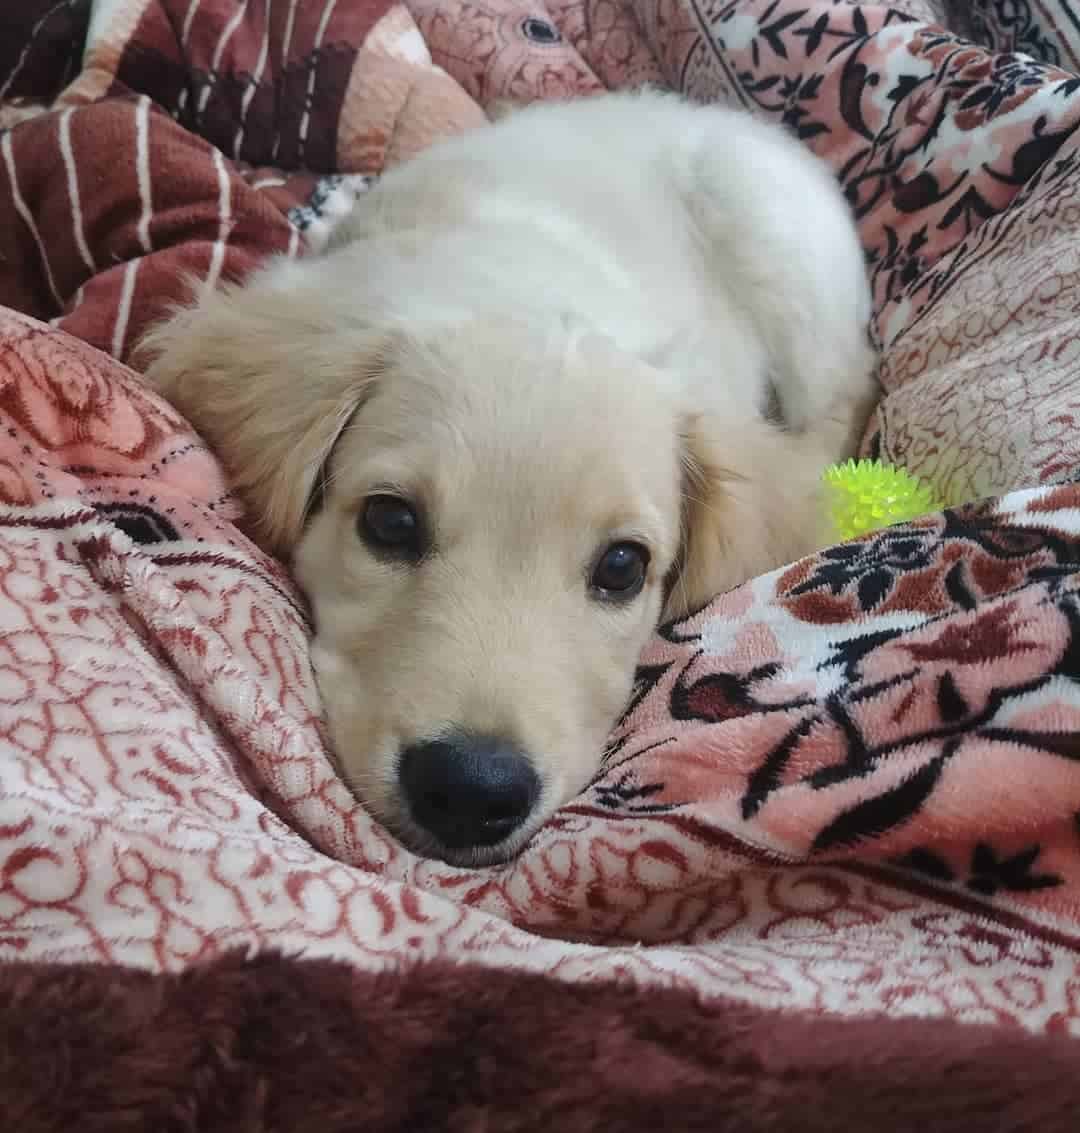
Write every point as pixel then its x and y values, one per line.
pixel 696 238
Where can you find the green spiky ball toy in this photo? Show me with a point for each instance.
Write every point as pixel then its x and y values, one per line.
pixel 865 495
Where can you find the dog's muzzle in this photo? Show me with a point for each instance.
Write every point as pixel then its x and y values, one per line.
pixel 468 790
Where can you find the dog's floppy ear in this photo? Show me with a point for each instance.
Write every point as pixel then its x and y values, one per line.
pixel 269 380
pixel 751 502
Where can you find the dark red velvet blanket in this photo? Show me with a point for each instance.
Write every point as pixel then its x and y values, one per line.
pixel 270 1044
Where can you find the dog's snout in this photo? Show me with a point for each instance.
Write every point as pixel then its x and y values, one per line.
pixel 468 790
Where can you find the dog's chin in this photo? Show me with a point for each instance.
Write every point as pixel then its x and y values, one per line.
pixel 418 841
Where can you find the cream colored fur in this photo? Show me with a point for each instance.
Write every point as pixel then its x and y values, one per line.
pixel 551 334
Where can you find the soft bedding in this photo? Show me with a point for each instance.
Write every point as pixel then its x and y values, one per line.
pixel 847 792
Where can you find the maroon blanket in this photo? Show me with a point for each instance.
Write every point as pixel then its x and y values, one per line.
pixel 279 1046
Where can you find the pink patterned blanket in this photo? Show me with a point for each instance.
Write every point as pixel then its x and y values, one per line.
pixel 851 786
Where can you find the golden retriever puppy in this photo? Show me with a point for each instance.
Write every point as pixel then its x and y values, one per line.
pixel 555 380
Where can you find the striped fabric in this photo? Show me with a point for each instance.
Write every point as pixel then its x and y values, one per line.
pixel 152 163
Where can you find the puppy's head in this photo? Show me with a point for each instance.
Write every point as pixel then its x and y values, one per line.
pixel 482 516
pixel 487 518
pixel 487 562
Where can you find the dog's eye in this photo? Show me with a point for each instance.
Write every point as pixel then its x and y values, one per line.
pixel 390 524
pixel 620 572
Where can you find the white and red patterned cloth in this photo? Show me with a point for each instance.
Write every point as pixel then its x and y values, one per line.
pixel 850 786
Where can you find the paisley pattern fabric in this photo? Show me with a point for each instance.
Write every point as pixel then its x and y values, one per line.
pixel 849 786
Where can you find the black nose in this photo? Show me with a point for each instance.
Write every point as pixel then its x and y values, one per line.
pixel 468 790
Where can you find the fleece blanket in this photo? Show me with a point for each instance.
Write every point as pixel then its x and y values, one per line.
pixel 848 790
pixel 240 1046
